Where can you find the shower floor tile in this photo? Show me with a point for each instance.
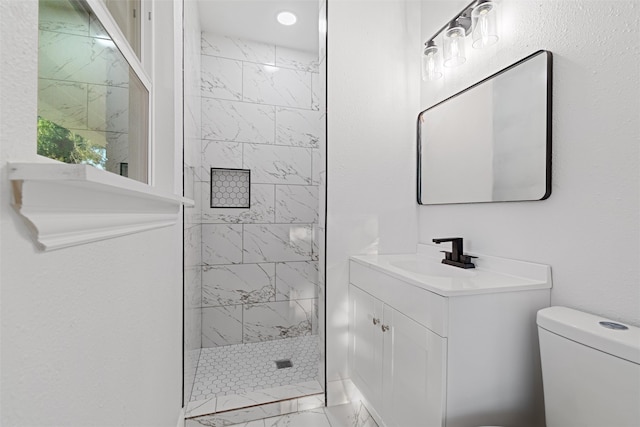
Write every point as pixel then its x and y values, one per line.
pixel 243 368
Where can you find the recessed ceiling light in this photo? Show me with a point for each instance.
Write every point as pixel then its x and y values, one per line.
pixel 287 18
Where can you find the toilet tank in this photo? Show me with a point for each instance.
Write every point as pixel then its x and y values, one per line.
pixel 590 369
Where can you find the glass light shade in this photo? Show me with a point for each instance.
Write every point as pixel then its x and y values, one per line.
pixel 431 63
pixel 454 53
pixel 484 18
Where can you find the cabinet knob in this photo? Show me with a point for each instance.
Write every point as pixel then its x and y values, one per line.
pixel 376 321
pixel 385 328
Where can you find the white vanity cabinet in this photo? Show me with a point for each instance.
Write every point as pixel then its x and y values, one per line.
pixel 466 358
pixel 390 349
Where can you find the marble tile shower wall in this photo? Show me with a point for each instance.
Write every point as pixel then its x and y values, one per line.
pixel 260 111
pixel 192 225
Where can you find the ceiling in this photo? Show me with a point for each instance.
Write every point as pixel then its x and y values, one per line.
pixel 256 20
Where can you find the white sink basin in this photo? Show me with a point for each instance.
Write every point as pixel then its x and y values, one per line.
pixel 424 269
pixel 432 269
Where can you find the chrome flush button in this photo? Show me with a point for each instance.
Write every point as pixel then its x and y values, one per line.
pixel 613 325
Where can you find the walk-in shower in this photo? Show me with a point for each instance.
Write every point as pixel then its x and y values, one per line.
pixel 254 150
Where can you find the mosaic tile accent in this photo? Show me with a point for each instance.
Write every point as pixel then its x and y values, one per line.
pixel 230 188
pixel 244 368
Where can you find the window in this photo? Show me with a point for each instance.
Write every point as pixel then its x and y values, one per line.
pixel 127 15
pixel 93 95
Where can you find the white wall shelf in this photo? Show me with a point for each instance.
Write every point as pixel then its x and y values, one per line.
pixel 67 205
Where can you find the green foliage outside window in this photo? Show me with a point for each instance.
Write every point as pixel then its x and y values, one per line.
pixel 59 143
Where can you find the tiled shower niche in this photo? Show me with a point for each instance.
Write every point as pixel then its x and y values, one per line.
pixel 230 188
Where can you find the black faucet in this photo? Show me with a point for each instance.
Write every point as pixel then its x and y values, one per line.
pixel 456 257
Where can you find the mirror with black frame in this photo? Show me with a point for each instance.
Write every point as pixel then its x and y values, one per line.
pixel 492 141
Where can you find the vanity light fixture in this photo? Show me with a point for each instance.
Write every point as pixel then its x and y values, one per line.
pixel 286 18
pixel 479 19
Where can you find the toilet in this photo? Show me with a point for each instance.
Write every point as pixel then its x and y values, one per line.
pixel 590 369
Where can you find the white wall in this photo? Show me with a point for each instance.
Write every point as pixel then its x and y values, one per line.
pixel 588 230
pixel 91 335
pixel 373 74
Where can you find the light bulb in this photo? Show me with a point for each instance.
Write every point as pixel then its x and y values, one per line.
pixel 454 53
pixel 484 19
pixel 431 62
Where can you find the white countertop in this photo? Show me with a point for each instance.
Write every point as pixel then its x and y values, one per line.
pixel 492 274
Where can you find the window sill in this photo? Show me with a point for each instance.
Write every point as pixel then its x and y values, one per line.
pixel 67 205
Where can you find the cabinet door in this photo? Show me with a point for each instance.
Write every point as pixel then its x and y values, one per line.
pixel 365 344
pixel 414 373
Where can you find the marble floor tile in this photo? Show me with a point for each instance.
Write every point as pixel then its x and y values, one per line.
pixel 312 418
pixel 352 414
pixel 311 402
pixel 348 415
pixel 273 394
pixel 244 416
